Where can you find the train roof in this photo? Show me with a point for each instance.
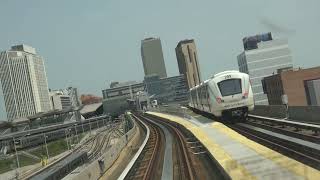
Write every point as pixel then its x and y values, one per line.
pixel 204 82
pixel 215 75
pixel 225 72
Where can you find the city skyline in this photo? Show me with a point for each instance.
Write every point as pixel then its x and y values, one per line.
pixel 72 47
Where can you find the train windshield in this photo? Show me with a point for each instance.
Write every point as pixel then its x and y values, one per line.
pixel 230 87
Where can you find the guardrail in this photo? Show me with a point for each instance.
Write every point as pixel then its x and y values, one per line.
pixel 298 125
pixel 49 128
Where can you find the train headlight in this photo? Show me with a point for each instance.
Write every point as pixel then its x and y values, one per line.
pixel 245 95
pixel 219 100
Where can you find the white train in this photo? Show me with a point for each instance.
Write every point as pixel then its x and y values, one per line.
pixel 227 94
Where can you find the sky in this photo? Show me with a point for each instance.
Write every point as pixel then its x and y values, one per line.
pixel 88 44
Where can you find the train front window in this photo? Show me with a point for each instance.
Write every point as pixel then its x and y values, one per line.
pixel 230 87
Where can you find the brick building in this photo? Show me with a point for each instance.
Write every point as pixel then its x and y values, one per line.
pixel 302 87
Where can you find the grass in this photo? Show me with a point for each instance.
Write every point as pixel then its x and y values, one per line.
pixel 6 164
pixel 11 163
pixel 54 148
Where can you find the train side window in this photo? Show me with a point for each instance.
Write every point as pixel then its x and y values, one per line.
pixel 203 94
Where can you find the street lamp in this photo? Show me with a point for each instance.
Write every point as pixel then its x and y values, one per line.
pixel 45 142
pixel 75 128
pixel 66 138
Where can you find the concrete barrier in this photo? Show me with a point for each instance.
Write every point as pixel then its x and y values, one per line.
pixel 96 169
pixel 275 111
pixel 305 113
pixel 309 114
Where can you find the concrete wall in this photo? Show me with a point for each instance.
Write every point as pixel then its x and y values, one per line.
pixel 93 171
pixel 296 113
pixel 305 113
pixel 276 111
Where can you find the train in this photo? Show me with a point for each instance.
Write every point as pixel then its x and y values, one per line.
pixel 227 95
pixel 63 167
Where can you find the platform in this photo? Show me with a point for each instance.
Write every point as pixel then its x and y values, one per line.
pixel 241 157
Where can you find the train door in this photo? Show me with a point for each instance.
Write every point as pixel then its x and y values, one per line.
pixel 204 98
pixel 208 98
pixel 197 98
pixel 200 98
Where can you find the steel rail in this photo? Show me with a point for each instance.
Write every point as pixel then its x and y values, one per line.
pixel 298 125
pixel 149 155
pixel 126 171
pixel 297 152
pixel 182 142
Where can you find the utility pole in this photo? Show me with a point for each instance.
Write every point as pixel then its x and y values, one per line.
pixel 82 127
pixel 90 126
pixel 45 141
pixel 18 163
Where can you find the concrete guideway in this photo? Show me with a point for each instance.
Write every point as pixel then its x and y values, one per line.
pixel 298 149
pixel 149 161
pixel 181 155
pixel 241 157
pixel 136 156
pixel 167 169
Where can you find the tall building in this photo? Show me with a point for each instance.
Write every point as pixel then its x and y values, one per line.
pixel 152 57
pixel 74 98
pixel 188 64
pixel 302 87
pixel 115 99
pixel 24 82
pixel 170 90
pixel 262 57
pixel 59 100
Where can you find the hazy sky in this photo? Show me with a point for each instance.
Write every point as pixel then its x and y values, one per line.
pixel 87 44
